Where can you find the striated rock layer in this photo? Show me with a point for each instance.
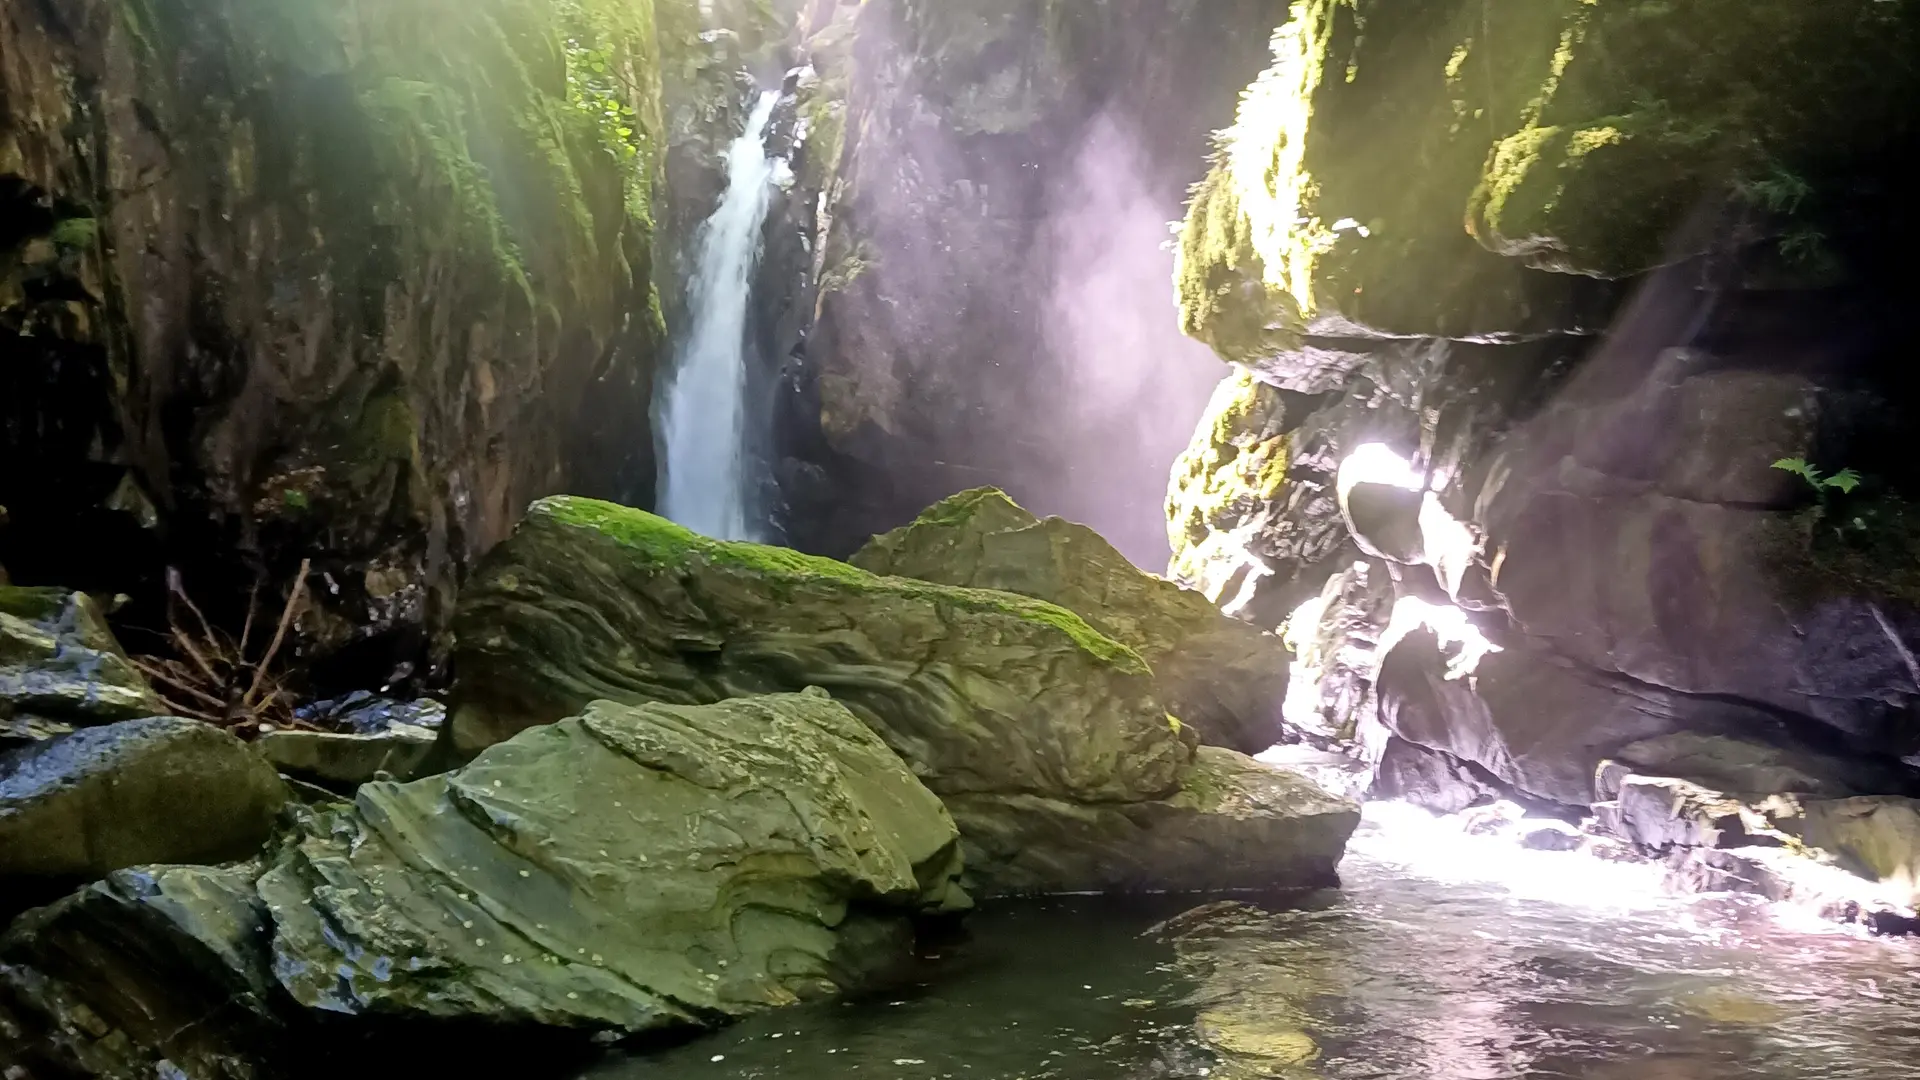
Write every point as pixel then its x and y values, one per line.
pixel 1004 704
pixel 1222 677
pixel 631 869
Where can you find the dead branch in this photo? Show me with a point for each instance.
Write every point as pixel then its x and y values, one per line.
pixel 280 633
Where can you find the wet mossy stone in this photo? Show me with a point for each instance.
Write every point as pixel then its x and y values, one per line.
pixel 156 790
pixel 980 691
pixel 1224 678
pixel 630 869
pixel 153 972
pixel 59 661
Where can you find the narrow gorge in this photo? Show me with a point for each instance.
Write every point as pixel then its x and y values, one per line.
pixel 1099 540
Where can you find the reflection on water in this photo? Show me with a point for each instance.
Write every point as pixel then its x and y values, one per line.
pixel 1443 958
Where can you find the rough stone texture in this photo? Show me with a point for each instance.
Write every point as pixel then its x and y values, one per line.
pixel 1750 768
pixel 142 791
pixel 349 760
pixel 981 691
pixel 1565 137
pixel 1013 708
pixel 632 869
pixel 360 278
pixel 60 662
pixel 1430 778
pixel 1875 837
pixel 1222 677
pixel 1335 640
pixel 1660 813
pixel 1590 330
pixel 996 176
pixel 1235 824
pixel 151 966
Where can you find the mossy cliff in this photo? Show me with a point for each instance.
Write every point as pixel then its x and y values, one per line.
pixel 355 280
pixel 1588 268
pixel 1466 143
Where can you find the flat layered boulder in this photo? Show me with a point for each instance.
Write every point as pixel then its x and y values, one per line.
pixel 1011 709
pixel 1224 678
pixel 630 869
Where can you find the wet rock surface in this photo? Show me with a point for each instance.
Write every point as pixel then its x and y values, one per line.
pixel 1221 677
pixel 156 790
pixel 1014 708
pixel 628 870
pixel 59 663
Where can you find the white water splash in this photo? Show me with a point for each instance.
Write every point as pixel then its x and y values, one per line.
pixel 703 421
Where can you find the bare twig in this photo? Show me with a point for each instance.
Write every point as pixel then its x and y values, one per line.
pixel 253 606
pixel 199 661
pixel 280 633
pixel 179 589
pixel 160 674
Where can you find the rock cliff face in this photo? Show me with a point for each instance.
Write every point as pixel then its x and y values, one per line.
pixel 986 187
pixel 354 281
pixel 1542 390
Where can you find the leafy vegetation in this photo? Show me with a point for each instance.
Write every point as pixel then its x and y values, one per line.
pixel 1844 481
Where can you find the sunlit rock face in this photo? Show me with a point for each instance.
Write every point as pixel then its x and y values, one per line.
pixel 1588 330
pixel 1046 739
pixel 991 278
pixel 1220 676
pixel 358 279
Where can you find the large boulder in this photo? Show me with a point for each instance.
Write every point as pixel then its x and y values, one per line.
pixel 1235 824
pixel 630 869
pixel 1222 677
pixel 1004 703
pixel 153 972
pixel 156 790
pixel 59 661
pixel 1875 837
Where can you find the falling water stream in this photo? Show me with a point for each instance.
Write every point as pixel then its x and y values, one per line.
pixel 1444 956
pixel 703 414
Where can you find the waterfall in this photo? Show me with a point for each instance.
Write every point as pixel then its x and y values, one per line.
pixel 703 418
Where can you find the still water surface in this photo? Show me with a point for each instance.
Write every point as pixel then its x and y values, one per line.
pixel 1444 957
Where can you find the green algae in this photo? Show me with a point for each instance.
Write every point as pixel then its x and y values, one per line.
pixel 663 544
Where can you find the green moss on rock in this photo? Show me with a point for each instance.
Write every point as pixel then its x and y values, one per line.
pixel 1411 168
pixel 1221 677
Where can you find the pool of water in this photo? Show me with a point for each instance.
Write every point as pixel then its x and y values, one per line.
pixel 1443 957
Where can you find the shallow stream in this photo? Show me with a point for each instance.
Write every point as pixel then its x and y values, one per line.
pixel 1444 957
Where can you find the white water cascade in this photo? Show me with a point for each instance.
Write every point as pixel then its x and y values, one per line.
pixel 703 415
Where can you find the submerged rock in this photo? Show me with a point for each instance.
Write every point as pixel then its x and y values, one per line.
pixel 1011 709
pixel 156 790
pixel 155 972
pixel 630 869
pixel 1222 677
pixel 59 661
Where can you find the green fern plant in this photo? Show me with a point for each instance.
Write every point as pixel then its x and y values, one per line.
pixel 1844 481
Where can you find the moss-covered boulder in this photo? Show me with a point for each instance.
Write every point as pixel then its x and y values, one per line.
pixel 630 869
pixel 1001 703
pixel 1222 677
pixel 59 661
pixel 981 691
pixel 157 790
